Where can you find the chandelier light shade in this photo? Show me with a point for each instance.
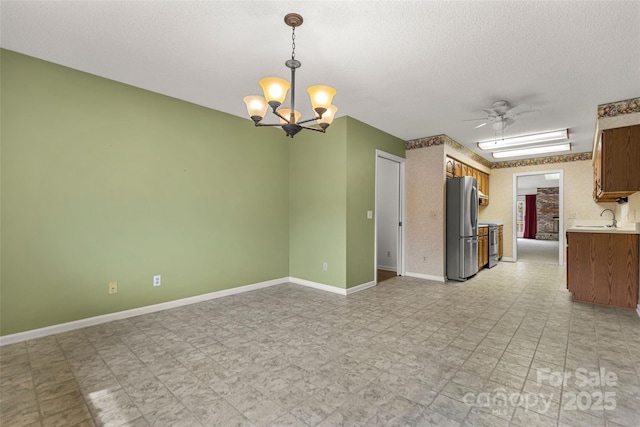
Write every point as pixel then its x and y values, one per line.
pixel 256 106
pixel 275 91
pixel 327 117
pixel 286 114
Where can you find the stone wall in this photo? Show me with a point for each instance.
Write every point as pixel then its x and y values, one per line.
pixel 547 204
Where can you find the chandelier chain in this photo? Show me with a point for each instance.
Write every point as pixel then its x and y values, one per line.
pixel 293 43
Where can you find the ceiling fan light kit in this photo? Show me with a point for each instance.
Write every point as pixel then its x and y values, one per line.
pixel 501 115
pixel 275 91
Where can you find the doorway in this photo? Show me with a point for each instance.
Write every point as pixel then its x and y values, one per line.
pixel 389 214
pixel 538 217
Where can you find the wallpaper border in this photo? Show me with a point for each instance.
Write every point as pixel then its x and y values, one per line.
pixel 618 108
pixel 542 160
pixel 431 141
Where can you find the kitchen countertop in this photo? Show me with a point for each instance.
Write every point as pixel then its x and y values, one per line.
pixel 598 227
pixel 490 221
pixel 480 225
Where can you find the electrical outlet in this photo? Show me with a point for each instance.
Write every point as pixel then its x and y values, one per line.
pixel 113 287
pixel 157 280
pixel 325 266
pixel 369 214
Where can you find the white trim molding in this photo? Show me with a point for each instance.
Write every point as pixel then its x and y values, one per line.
pixel 316 285
pixel 361 287
pixel 332 289
pixel 638 309
pixel 119 315
pixel 426 276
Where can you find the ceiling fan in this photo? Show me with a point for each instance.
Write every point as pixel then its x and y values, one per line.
pixel 500 115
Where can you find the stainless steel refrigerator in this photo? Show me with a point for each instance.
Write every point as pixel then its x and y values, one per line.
pixel 462 228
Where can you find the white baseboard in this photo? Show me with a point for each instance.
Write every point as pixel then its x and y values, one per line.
pixel 361 287
pixel 96 320
pixel 638 309
pixel 506 258
pixel 386 268
pixel 425 276
pixel 316 285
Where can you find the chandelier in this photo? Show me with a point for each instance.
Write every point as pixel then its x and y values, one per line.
pixel 275 90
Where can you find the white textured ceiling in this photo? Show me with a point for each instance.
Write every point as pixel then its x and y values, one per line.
pixel 412 69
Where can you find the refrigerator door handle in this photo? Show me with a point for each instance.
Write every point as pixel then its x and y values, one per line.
pixel 473 203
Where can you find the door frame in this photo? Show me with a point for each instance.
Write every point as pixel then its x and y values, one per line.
pixel 401 213
pixel 561 242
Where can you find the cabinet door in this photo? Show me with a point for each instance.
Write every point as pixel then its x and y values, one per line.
pixel 620 159
pixel 580 252
pixel 457 169
pixel 485 251
pixel 485 184
pixel 450 167
pixel 602 268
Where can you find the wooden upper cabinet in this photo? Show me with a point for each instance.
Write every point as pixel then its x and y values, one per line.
pixel 450 167
pixel 615 163
pixel 456 168
pixel 483 185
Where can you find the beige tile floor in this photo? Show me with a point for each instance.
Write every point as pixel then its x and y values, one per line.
pixel 491 351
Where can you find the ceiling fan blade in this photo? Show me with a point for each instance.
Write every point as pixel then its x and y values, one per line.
pixel 480 125
pixel 520 108
pixel 473 120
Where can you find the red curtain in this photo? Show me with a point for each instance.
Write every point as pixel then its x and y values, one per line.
pixel 530 218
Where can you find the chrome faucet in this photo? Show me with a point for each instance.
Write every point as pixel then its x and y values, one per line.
pixel 614 224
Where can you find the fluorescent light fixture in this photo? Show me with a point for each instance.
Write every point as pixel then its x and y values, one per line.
pixel 534 138
pixel 531 150
pixel 551 176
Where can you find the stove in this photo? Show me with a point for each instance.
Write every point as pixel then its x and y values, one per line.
pixel 493 243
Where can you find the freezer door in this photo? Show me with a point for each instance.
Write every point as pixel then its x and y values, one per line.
pixel 469 207
pixel 470 256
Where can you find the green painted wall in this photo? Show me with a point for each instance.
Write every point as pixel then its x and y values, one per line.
pixel 318 205
pixel 332 188
pixel 103 182
pixel 363 141
pixel 106 182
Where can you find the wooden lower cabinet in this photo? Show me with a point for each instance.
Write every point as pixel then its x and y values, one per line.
pixel 483 247
pixel 602 268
